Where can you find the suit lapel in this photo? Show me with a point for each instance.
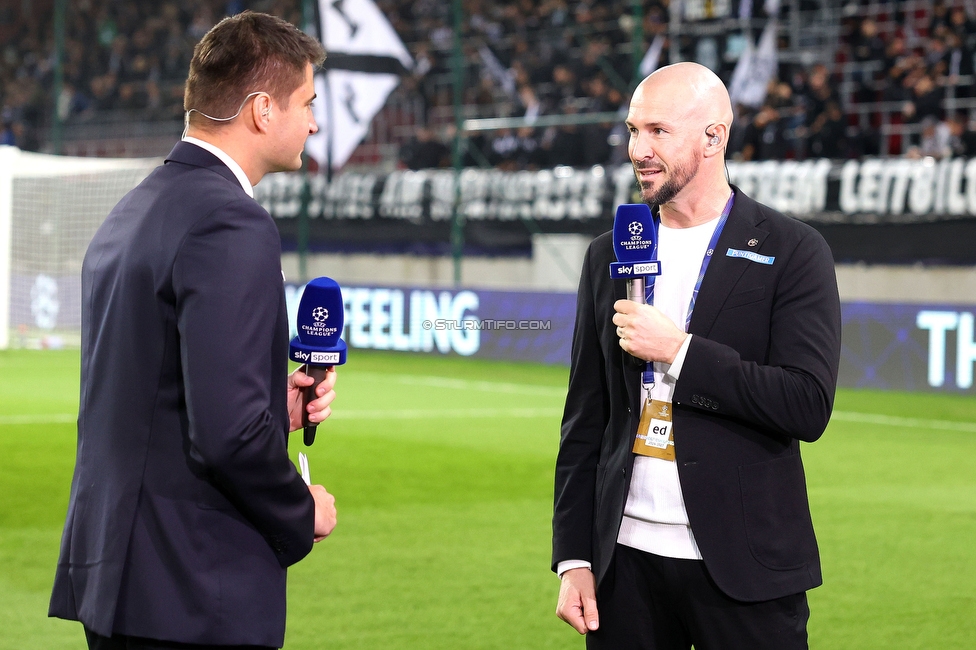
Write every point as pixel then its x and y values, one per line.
pixel 742 232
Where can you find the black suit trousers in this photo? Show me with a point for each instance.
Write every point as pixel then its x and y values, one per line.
pixel 649 602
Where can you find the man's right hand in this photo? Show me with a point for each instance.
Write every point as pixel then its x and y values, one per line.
pixel 577 600
pixel 325 512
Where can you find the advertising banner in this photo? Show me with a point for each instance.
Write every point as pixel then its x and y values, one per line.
pixel 885 346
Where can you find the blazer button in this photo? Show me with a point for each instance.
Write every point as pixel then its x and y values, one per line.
pixel 714 406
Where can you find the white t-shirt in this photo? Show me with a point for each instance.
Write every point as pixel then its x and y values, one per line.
pixel 655 519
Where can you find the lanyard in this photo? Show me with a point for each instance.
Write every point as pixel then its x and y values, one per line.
pixel 648 375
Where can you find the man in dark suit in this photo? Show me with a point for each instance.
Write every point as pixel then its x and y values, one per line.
pixel 681 514
pixel 185 509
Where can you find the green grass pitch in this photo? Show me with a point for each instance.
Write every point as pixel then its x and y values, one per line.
pixel 442 470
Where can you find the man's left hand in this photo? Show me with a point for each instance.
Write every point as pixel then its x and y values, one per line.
pixel 646 333
pixel 318 409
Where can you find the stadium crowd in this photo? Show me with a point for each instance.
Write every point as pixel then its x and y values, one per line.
pixel 888 80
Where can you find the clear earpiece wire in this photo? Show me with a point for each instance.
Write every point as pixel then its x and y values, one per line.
pixel 186 115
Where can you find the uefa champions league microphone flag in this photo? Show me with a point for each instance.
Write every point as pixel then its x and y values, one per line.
pixel 365 61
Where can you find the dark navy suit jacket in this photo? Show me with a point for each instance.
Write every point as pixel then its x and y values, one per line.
pixel 185 508
pixel 758 378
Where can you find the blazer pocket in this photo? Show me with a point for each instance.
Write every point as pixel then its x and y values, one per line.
pixel 777 514
pixel 745 297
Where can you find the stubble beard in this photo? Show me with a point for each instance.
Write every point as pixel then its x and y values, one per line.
pixel 679 177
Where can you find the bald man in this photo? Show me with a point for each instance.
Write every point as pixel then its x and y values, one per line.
pixel 702 537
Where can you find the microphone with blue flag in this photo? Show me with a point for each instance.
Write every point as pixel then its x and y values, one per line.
pixel 318 346
pixel 634 244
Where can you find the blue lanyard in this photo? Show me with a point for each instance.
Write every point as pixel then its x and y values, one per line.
pixel 648 375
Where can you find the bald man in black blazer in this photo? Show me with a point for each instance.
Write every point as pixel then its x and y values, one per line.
pixel 755 377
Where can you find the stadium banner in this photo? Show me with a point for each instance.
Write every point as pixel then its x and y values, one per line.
pixel 502 325
pixel 885 346
pixel 873 190
pixel 908 347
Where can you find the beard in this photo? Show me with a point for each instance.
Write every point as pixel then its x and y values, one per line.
pixel 680 176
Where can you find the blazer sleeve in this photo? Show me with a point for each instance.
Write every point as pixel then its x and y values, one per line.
pixel 792 392
pixel 227 278
pixel 584 422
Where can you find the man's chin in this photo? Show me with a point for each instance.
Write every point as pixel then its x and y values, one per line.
pixel 292 166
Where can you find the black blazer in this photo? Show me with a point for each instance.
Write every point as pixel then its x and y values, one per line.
pixel 185 508
pixel 759 377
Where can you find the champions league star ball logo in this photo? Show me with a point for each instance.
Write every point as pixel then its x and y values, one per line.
pixel 635 229
pixel 320 314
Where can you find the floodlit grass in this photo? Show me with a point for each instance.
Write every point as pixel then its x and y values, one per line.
pixel 442 470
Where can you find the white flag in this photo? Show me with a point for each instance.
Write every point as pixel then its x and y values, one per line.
pixel 348 100
pixel 502 75
pixel 649 63
pixel 755 69
pixel 359 27
pixel 356 97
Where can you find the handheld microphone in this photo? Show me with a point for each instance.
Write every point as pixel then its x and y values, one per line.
pixel 318 346
pixel 634 237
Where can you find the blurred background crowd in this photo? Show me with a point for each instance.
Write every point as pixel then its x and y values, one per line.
pixel 885 78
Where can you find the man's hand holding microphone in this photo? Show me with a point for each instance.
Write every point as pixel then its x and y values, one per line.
pixel 311 388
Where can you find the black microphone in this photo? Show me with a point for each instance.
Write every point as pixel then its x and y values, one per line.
pixel 318 346
pixel 634 236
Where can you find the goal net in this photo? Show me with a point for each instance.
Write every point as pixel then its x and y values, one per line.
pixel 50 207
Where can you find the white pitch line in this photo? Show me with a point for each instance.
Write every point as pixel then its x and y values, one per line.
pixel 431 414
pixel 894 421
pixel 468 384
pixel 53 418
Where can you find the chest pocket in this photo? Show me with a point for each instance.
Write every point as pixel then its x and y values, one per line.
pixel 746 297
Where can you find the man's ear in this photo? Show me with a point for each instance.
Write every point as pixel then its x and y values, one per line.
pixel 261 111
pixel 717 138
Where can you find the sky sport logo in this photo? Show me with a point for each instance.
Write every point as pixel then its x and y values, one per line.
pixel 323 358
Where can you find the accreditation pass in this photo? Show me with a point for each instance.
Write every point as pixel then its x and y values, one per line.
pixel 655 436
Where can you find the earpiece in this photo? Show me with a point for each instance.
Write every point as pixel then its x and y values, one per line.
pixel 265 112
pixel 713 140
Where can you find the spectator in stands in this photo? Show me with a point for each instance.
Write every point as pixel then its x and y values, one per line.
pixel 939 17
pixel 818 93
pixel 962 139
pixel 934 141
pixel 792 118
pixel 424 151
pixel 529 153
pixel 504 149
pixel 565 145
pixel 763 139
pixel 963 26
pixel 867 48
pixel 925 100
pixel 961 64
pixel 742 119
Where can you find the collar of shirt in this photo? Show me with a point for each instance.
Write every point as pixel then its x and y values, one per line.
pixel 227 160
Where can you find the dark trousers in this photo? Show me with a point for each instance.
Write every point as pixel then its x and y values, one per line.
pixel 648 602
pixel 122 642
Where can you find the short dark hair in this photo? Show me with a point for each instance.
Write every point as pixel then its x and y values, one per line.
pixel 247 53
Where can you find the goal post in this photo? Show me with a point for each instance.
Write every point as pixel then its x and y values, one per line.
pixel 50 207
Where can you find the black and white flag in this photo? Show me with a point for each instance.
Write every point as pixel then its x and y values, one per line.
pixel 365 61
